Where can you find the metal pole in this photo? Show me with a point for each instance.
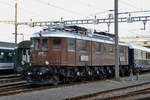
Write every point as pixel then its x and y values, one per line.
pixel 16 24
pixel 116 41
pixel 144 22
pixel 108 24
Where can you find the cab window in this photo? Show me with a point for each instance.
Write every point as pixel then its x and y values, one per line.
pixel 32 45
pixel 71 44
pixel 56 43
pixel 44 44
pixel 37 44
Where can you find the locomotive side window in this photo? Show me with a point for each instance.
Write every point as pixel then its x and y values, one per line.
pixel 37 44
pixel 110 48
pixel 44 44
pixel 121 50
pixel 71 44
pixel 57 43
pixel 84 45
pixel 98 47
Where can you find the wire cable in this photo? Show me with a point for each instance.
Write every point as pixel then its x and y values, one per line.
pixel 28 11
pixel 60 8
pixel 129 4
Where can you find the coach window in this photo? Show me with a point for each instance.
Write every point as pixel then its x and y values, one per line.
pixel 71 44
pixel 111 48
pixel 37 44
pixel 84 45
pixel 9 57
pixel 44 44
pixel 1 56
pixel 147 55
pixel 98 47
pixel 57 43
pixel 144 55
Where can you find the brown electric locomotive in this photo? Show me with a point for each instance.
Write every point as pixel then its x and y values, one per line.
pixel 71 53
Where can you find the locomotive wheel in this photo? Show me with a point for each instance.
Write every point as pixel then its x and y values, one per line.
pixel 55 80
pixel 101 76
pixel 122 71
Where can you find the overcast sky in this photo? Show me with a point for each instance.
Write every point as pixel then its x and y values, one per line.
pixel 52 10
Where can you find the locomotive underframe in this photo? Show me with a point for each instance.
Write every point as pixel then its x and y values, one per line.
pixel 63 74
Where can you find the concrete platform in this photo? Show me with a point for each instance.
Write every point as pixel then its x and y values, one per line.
pixel 77 90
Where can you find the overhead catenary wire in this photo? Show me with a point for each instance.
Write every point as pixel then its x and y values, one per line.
pixel 58 7
pixel 129 4
pixel 27 11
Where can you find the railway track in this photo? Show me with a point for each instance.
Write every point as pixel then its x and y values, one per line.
pixel 24 87
pixel 106 95
pixel 11 80
pixel 135 92
pixel 143 94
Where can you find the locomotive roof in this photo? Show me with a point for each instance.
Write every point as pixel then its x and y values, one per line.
pixel 85 35
pixel 7 45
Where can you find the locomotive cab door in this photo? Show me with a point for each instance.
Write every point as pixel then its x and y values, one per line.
pixel 71 52
pixel 58 51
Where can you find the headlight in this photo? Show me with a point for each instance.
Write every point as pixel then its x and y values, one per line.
pixel 47 62
pixel 29 73
pixel 39 73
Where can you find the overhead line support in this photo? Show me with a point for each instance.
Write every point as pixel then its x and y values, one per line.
pixel 87 21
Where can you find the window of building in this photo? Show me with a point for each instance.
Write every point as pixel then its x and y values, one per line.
pixel 37 44
pixel 111 48
pixel 44 44
pixel 145 42
pixel 57 43
pixel 98 47
pixel 71 45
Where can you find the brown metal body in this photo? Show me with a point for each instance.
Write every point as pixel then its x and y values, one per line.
pixel 90 57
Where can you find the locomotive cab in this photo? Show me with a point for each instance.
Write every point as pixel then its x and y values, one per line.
pixel 45 54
